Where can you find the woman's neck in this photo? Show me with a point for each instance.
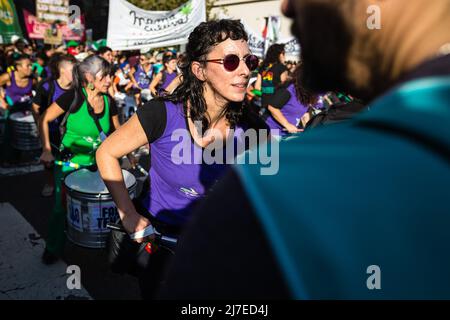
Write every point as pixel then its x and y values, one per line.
pixel 64 83
pixel 92 94
pixel 19 76
pixel 214 105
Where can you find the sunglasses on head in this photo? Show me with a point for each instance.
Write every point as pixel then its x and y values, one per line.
pixel 231 61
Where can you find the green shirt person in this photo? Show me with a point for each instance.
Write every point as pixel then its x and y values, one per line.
pixel 90 116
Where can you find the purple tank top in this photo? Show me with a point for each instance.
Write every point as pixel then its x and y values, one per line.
pixel 175 187
pixel 18 94
pixel 168 80
pixel 143 78
pixel 293 111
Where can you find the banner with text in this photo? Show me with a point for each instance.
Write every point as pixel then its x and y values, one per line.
pixel 130 27
pixel 52 10
pixel 37 29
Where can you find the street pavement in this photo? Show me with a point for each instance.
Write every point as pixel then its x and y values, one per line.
pixel 24 216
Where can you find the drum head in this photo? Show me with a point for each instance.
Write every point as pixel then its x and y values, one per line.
pixel 86 181
pixel 22 117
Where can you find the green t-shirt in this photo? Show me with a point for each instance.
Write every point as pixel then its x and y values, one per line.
pixel 82 136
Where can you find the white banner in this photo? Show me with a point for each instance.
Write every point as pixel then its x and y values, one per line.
pixel 257 44
pixel 130 27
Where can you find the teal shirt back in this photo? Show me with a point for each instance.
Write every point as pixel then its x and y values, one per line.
pixel 359 194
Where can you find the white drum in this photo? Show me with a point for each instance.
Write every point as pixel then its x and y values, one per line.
pixel 25 135
pixel 90 207
pixel 146 95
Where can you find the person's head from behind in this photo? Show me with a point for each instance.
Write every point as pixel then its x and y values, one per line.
pixel 61 67
pixel 93 74
pixel 28 49
pixel 347 49
pixel 304 95
pixel 22 65
pixel 48 50
pixel 21 46
pixel 106 53
pixel 41 58
pixel 275 54
pixel 170 63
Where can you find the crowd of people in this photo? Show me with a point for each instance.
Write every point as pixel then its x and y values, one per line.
pixel 313 214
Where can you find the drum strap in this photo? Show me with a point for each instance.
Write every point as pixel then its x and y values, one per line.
pixel 62 125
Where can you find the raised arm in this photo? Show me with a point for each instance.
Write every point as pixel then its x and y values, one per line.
pixel 4 79
pixel 154 83
pixel 127 138
pixel 276 113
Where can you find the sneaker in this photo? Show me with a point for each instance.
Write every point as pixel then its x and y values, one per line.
pixel 47 191
pixel 49 258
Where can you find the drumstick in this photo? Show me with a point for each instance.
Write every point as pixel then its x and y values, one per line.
pixel 142 170
pixel 67 164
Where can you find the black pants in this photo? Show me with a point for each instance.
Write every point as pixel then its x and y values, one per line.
pixel 152 266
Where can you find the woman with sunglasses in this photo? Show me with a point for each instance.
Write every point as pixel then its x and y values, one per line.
pixel 141 76
pixel 216 71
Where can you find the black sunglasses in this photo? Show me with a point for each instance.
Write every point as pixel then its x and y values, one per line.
pixel 231 62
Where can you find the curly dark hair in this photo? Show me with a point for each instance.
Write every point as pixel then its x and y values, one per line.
pixel 201 42
pixel 272 55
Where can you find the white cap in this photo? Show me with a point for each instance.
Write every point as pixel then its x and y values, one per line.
pixel 145 50
pixel 81 56
pixel 14 38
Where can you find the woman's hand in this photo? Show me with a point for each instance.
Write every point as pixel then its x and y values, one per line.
pixel 292 129
pixel 132 159
pixel 46 157
pixel 134 222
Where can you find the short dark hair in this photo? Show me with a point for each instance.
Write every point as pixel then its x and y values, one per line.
pixel 103 50
pixel 167 58
pixel 19 58
pixel 56 60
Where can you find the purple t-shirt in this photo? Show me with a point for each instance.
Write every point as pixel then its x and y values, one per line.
pixel 175 186
pixel 168 78
pixel 292 110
